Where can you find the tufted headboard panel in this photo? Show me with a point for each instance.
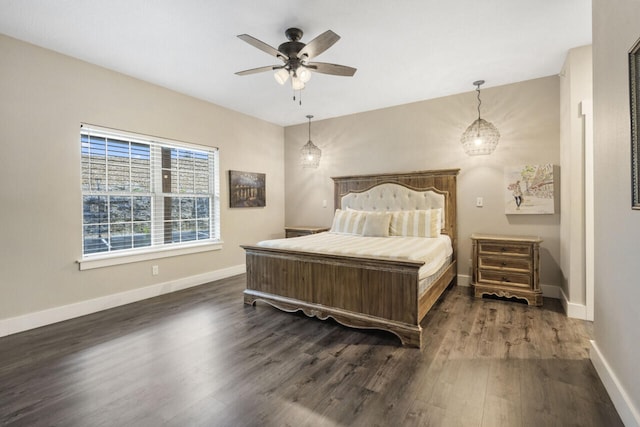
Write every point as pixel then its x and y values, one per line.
pixel 421 189
pixel 394 197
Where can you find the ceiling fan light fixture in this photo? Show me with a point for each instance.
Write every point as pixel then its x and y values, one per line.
pixel 304 74
pixel 481 137
pixel 281 76
pixel 296 83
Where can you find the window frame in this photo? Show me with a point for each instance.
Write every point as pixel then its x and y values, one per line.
pixel 158 248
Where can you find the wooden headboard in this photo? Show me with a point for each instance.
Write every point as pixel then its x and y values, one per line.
pixel 444 181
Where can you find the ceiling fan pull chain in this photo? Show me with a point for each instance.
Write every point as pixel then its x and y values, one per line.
pixel 299 96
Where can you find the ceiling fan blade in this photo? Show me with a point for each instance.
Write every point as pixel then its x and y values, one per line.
pixel 318 45
pixel 262 46
pixel 258 70
pixel 333 69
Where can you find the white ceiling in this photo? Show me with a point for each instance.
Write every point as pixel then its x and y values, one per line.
pixel 404 50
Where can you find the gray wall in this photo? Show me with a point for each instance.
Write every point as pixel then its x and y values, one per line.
pixel 617 227
pixel 426 135
pixel 44 98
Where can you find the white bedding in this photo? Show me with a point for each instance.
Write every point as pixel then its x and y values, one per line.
pixel 434 252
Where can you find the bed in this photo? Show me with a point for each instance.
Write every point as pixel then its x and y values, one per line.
pixel 376 290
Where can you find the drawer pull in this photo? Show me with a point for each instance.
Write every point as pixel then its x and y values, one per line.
pixel 504 264
pixel 504 279
pixel 503 249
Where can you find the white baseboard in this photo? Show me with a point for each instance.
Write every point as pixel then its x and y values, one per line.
pixel 624 405
pixel 464 280
pixel 37 319
pixel 573 310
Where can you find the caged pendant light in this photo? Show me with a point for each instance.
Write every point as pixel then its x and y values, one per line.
pixel 309 153
pixel 481 137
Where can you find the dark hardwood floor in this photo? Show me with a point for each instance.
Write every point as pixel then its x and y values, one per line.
pixel 200 357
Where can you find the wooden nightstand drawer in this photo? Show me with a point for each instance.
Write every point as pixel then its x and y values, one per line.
pixel 300 230
pixel 296 233
pixel 505 278
pixel 504 263
pixel 505 248
pixel 506 266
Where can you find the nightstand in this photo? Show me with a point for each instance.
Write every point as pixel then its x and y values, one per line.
pixel 301 230
pixel 506 266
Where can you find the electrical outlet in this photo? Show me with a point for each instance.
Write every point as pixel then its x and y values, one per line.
pixel 155 270
pixel 479 202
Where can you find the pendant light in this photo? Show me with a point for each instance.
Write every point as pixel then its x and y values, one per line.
pixel 481 137
pixel 309 153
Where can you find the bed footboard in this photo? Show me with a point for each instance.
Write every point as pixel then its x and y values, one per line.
pixel 356 292
pixel 410 335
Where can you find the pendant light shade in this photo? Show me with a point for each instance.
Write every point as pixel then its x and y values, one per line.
pixel 309 153
pixel 481 137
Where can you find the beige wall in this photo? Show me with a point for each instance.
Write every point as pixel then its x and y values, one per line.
pixel 576 85
pixel 426 135
pixel 44 98
pixel 617 226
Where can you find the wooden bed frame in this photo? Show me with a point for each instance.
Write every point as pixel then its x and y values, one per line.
pixel 358 292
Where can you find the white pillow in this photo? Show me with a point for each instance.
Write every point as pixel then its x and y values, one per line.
pixel 348 222
pixel 376 224
pixel 418 223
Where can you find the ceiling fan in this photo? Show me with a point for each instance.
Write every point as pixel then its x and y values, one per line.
pixel 295 56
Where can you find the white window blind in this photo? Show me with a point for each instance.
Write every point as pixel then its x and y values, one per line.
pixel 141 193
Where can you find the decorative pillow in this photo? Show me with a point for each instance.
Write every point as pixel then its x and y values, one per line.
pixel 439 220
pixel 376 224
pixel 348 222
pixel 418 223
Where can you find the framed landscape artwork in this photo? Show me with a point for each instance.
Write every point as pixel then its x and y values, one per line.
pixel 247 189
pixel 634 98
pixel 529 189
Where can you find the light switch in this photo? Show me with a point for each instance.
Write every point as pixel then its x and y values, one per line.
pixel 479 202
pixel 324 203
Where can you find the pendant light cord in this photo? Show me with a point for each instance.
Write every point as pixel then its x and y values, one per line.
pixel 479 101
pixel 478 83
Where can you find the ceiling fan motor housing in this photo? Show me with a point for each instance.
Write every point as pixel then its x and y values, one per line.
pixel 292 47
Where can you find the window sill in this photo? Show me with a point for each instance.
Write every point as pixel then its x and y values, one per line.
pixel 100 261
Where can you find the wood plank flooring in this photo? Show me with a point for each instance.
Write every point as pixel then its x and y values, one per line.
pixel 200 357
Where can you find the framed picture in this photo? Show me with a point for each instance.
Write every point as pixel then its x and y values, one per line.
pixel 634 99
pixel 529 189
pixel 246 189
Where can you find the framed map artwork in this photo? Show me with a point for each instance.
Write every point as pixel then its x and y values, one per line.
pixel 529 189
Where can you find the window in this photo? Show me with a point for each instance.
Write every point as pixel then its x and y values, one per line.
pixel 142 193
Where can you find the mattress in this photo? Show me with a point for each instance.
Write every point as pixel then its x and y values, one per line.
pixel 434 252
